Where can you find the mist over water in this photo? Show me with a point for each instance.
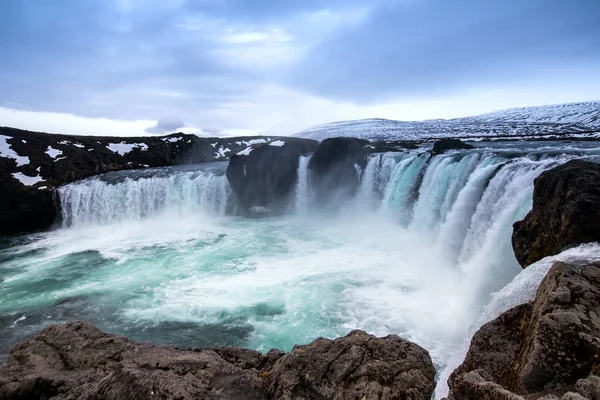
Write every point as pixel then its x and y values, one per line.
pixel 160 255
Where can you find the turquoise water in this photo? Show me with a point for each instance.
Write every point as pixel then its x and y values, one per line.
pixel 158 255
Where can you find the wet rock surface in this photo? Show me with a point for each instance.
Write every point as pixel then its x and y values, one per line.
pixel 550 347
pixel 77 360
pixel 263 177
pixel 335 168
pixel 565 213
pixel 443 145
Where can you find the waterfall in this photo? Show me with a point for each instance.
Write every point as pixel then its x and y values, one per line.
pixel 303 186
pixel 98 202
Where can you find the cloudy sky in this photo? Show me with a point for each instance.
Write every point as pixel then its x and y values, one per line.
pixel 133 67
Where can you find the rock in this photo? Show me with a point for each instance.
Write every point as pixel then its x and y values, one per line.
pixel 56 160
pixel 76 360
pixel 335 168
pixel 358 366
pixel 589 387
pixel 548 347
pixel 565 213
pixel 443 145
pixel 264 179
pixel 491 359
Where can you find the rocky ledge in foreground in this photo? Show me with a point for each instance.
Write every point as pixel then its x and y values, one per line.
pixel 76 360
pixel 565 213
pixel 541 350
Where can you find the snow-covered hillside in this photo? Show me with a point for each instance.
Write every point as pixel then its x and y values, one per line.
pixel 574 119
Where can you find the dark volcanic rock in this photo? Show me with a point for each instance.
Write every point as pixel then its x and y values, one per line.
pixel 443 145
pixel 565 213
pixel 358 366
pixel 59 159
pixel 264 180
pixel 76 360
pixel 548 347
pixel 335 168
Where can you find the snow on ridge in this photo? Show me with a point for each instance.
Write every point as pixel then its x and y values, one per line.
pixel 124 148
pixel 7 152
pixel 277 143
pixel 172 139
pixel 573 118
pixel 245 152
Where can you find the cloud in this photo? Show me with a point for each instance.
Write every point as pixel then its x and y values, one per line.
pixel 425 48
pixel 166 125
pixel 272 65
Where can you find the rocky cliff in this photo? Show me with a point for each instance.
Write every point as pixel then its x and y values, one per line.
pixel 32 163
pixel 565 213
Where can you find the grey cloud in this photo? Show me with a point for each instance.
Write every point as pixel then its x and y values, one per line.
pixel 166 125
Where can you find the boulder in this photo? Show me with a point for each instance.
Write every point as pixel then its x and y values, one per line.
pixel 549 347
pixel 358 366
pixel 263 177
pixel 443 145
pixel 76 360
pixel 565 212
pixel 336 167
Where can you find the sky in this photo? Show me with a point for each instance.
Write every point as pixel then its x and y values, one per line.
pixel 240 67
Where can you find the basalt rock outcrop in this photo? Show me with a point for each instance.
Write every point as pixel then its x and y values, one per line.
pixel 263 177
pixel 546 349
pixel 443 145
pixel 76 360
pixel 335 169
pixel 358 366
pixel 565 213
pixel 32 163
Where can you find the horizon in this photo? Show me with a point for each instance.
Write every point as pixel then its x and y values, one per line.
pixel 138 68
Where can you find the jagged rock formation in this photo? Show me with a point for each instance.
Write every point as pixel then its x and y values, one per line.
pixel 263 177
pixel 76 360
pixel 335 168
pixel 358 366
pixel 443 145
pixel 32 163
pixel 565 213
pixel 548 347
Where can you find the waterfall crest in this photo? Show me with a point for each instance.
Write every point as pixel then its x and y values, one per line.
pixel 98 202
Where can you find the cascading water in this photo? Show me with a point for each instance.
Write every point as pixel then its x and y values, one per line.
pixel 303 186
pixel 98 202
pixel 160 255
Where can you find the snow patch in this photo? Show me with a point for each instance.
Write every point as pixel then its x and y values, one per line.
pixel 172 140
pixel 214 144
pixel 277 143
pixel 124 148
pixel 27 180
pixel 221 152
pixel 256 141
pixel 52 152
pixel 79 145
pixel 6 151
pixel 245 152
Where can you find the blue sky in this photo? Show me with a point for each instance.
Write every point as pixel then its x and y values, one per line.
pixel 245 66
